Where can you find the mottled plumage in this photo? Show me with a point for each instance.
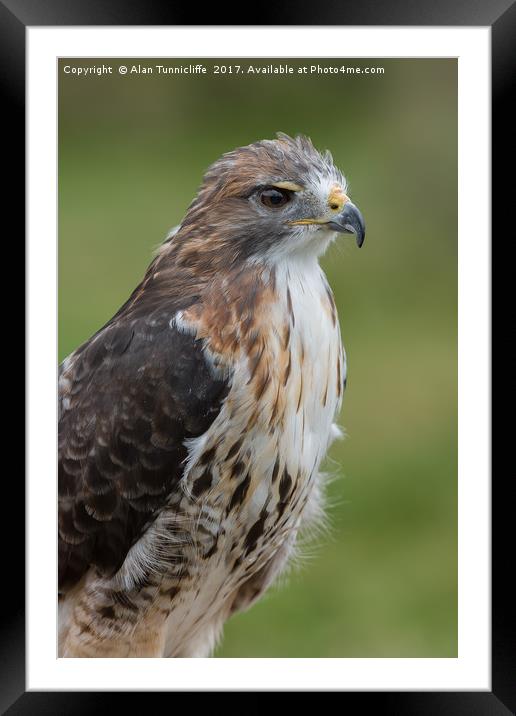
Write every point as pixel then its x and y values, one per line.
pixel 193 425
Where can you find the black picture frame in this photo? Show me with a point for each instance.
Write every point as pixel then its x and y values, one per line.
pixel 500 15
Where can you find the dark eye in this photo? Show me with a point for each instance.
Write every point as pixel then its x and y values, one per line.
pixel 274 198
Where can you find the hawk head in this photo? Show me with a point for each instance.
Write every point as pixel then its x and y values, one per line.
pixel 266 201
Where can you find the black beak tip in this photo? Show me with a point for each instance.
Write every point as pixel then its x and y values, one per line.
pixel 354 222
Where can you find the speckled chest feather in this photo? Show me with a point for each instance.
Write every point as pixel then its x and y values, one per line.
pixel 251 476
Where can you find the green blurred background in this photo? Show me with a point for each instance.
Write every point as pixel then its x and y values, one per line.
pixel 132 150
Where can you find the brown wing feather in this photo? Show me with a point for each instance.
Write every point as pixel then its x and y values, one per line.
pixel 129 398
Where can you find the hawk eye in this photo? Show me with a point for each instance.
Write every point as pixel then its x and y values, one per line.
pixel 274 198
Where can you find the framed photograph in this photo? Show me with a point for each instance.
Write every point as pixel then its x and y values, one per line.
pixel 261 257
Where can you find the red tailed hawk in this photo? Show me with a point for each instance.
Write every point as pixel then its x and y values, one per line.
pixel 193 424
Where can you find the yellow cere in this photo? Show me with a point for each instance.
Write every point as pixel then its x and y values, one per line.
pixel 337 198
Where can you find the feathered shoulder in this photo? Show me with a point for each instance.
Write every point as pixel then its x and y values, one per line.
pixel 129 397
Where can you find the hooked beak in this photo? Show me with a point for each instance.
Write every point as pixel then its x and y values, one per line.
pixel 349 221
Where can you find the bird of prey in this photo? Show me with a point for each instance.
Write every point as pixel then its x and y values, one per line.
pixel 192 426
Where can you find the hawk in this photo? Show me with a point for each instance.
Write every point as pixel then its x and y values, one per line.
pixel 192 426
